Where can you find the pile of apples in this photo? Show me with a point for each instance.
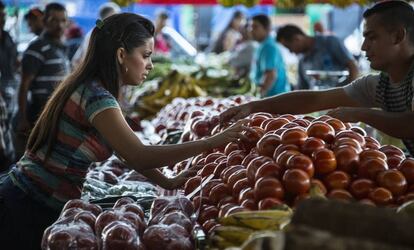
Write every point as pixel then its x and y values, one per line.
pixel 290 158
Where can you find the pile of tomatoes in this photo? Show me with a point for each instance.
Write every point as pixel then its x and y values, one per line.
pixel 290 158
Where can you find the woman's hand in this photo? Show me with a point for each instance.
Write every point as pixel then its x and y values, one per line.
pixel 231 134
pixel 179 180
pixel 236 113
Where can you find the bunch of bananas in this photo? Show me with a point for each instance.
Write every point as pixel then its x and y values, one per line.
pixel 230 3
pixel 124 3
pixel 236 228
pixel 172 86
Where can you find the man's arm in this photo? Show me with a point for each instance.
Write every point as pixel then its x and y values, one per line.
pixel 269 78
pixel 353 71
pixel 396 124
pixel 23 124
pixel 304 101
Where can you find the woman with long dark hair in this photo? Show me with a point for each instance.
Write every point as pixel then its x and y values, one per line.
pixel 231 35
pixel 82 123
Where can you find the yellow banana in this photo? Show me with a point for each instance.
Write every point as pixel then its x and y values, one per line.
pixel 258 220
pixel 234 234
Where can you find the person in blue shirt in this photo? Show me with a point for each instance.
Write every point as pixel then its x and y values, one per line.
pixel 321 53
pixel 268 69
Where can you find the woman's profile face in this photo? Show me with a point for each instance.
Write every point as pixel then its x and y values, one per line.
pixel 137 64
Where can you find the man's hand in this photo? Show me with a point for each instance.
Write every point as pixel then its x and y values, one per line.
pixel 345 114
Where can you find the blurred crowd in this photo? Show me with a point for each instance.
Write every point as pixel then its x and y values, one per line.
pixel 27 81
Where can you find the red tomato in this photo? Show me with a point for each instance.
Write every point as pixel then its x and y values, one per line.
pixel 284 157
pixel 229 171
pixel 312 144
pixel 371 167
pixel 302 162
pixel 226 200
pixel 252 137
pixel 392 150
pixel 337 180
pixel 392 180
pixel 212 157
pixel 279 131
pixel 226 207
pixel 347 159
pixel 207 170
pixel 201 128
pixel 361 188
pixel 394 161
pixel 235 158
pixel 351 134
pixel 296 181
pixel 288 116
pixel 230 147
pixel 324 161
pixel 407 169
pixel 257 121
pixel 269 203
pixel 236 176
pixel 371 142
pixel 271 169
pixel 253 166
pixel 267 144
pixel 340 194
pixel 302 122
pixel 322 118
pixel 282 147
pixel 200 201
pixel 336 124
pixel 268 187
pixel 381 196
pixel 321 130
pixel 295 136
pixel 239 186
pixel 192 184
pixel 207 188
pixel 208 225
pixel 291 125
pixel 247 193
pixel 219 169
pixel 347 142
pixel 315 183
pixel 249 204
pixel 248 158
pixel 371 153
pixel 359 131
pixel 208 213
pixel 218 192
pixel 275 123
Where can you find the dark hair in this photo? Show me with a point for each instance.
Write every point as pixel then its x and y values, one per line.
pixel 264 20
pixel 394 13
pixel 53 7
pixel 2 6
pixel 125 30
pixel 218 46
pixel 33 13
pixel 287 32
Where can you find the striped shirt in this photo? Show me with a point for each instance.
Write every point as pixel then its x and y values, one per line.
pixel 377 91
pixel 78 144
pixel 48 62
